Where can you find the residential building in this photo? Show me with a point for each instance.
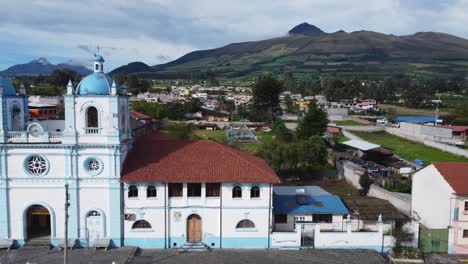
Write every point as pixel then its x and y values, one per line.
pixel 307 204
pixel 440 203
pixel 201 191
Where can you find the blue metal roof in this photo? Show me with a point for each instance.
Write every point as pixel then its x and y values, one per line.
pixel 8 88
pixel 415 119
pixel 323 204
pixel 96 83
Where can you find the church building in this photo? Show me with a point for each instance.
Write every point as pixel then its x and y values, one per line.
pixel 150 193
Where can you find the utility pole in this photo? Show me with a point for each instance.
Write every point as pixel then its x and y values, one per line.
pixel 67 204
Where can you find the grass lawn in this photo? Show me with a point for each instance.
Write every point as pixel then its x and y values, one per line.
pixel 220 137
pixel 406 111
pixel 340 137
pixel 347 123
pixel 215 135
pixel 407 149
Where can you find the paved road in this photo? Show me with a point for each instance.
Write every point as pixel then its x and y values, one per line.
pixel 78 256
pixel 261 256
pixel 126 255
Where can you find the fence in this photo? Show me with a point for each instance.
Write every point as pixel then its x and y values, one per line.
pixel 352 172
pixel 375 240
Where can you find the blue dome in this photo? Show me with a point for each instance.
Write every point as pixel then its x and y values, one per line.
pixel 98 58
pixel 8 88
pixel 96 83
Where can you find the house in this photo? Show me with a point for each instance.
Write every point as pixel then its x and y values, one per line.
pixel 459 132
pixel 440 203
pixel 176 192
pixel 142 124
pixel 306 204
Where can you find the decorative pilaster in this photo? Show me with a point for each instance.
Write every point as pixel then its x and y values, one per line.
pixel 3 119
pixel 115 200
pixel 73 210
pixel 4 199
pixel 69 133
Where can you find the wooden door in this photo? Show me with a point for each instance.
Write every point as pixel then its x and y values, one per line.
pixel 194 228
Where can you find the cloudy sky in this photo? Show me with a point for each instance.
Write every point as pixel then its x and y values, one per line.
pixel 156 31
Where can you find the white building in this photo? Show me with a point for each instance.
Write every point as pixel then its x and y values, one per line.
pixel 86 154
pixel 162 194
pixel 440 202
pixel 200 191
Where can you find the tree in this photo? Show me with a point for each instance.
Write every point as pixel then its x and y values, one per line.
pixel 60 78
pixel 266 96
pixel 460 115
pixel 182 131
pixel 314 123
pixel 365 181
pixel 291 106
pixel 280 131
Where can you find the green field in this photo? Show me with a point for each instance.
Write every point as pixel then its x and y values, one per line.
pixel 407 149
pixel 220 137
pixel 346 123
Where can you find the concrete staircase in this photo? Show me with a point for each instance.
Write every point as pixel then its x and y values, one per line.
pixel 38 243
pixel 194 247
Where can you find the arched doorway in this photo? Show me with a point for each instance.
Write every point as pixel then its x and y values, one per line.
pixel 37 222
pixel 194 228
pixel 94 225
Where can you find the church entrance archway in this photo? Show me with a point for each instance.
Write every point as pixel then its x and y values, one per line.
pixel 194 228
pixel 38 222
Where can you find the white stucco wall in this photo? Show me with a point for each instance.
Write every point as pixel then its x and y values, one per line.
pixel 431 198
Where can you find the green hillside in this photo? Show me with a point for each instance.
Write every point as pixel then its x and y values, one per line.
pixel 362 53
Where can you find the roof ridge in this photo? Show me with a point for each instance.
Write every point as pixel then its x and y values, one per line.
pixel 243 159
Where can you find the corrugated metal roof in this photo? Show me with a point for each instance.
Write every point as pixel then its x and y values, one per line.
pixel 305 190
pixel 323 204
pixel 361 144
pixel 415 119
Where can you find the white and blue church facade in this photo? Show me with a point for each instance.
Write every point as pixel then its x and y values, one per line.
pixel 150 193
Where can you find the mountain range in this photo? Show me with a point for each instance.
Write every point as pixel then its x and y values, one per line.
pixel 308 51
pixel 43 67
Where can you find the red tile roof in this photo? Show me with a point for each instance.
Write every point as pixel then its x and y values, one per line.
pixel 457 128
pixel 138 115
pixel 156 159
pixel 456 175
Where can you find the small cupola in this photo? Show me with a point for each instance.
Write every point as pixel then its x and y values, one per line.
pixel 98 63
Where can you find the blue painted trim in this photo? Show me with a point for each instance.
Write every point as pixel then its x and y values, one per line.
pixel 115 216
pixel 144 242
pixel 73 228
pixel 245 242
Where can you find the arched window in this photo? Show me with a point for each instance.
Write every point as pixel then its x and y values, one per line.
pixel 237 192
pixel 16 118
pixel 151 191
pixel 141 224
pixel 92 118
pixel 132 191
pixel 255 192
pixel 245 224
pixel 94 213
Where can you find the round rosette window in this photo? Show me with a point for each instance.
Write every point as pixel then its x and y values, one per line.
pixel 93 166
pixel 36 165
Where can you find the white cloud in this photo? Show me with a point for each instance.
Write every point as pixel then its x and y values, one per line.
pixel 152 30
